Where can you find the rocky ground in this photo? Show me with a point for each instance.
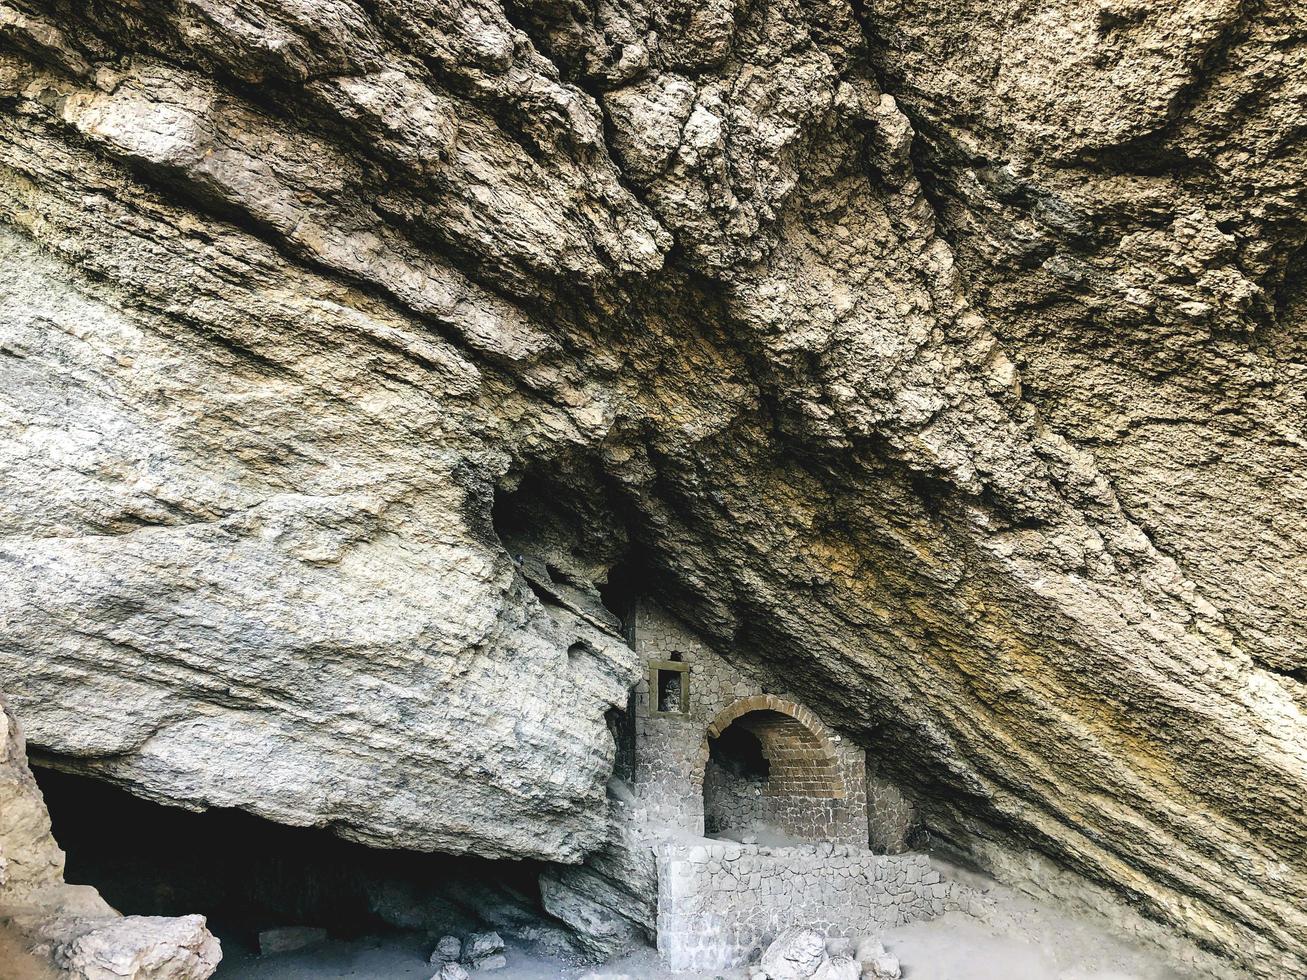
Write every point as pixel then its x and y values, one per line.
pixel 943 357
pixel 1032 942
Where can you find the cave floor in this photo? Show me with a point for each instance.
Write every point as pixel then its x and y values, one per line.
pixel 1032 943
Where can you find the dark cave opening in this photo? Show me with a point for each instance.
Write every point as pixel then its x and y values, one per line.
pixel 567 524
pixel 739 752
pixel 734 780
pixel 621 725
pixel 627 581
pixel 246 874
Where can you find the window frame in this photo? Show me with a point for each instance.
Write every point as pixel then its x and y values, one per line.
pixel 656 667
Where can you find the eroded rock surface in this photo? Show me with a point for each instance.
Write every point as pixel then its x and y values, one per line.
pixel 943 357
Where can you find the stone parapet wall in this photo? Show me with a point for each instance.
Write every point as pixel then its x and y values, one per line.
pixel 720 903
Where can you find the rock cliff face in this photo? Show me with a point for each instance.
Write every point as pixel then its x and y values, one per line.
pixel 944 357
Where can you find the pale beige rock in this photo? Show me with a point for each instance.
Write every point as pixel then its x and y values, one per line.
pixel 30 860
pixel 139 947
pixel 839 968
pixel 944 358
pixel 795 954
pixel 448 949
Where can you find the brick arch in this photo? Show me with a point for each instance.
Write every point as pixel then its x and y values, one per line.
pixel 800 748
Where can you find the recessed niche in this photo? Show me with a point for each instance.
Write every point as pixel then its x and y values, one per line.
pixel 669 687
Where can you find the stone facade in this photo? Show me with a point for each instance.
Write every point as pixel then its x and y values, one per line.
pixel 891 815
pixel 817 788
pixel 720 902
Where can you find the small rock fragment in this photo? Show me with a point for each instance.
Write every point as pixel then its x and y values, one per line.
pixel 482 944
pixel 882 967
pixel 451 971
pixel 794 955
pixel 876 963
pixel 484 951
pixel 868 949
pixel 447 950
pixel 839 947
pixel 838 968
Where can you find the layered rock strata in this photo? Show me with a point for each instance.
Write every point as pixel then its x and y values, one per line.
pixel 940 358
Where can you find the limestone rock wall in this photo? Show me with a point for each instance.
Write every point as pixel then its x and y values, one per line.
pixel 940 359
pixel 30 860
pixel 216 602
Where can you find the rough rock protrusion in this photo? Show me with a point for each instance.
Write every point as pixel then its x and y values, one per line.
pixel 794 955
pixel 70 926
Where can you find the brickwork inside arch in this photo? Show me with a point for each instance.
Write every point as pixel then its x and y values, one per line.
pixel 817 789
pixel 804 794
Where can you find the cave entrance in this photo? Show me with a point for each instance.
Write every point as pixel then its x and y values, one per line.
pixel 771 779
pixel 247 874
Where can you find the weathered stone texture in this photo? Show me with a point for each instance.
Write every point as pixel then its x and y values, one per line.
pixel 248 615
pixel 30 860
pixel 719 904
pixel 940 360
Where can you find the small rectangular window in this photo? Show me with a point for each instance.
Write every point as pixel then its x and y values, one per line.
pixel 669 687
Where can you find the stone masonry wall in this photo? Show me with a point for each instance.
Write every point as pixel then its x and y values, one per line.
pixel 719 904
pixel 729 800
pixel 891 815
pixel 670 749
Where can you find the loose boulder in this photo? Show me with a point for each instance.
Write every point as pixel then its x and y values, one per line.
pixel 794 955
pixel 141 947
pixel 877 964
pixel 290 938
pixel 838 968
pixel 447 950
pixel 484 951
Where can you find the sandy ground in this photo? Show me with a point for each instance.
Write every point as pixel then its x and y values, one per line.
pixel 1019 939
pixel 401 956
pixel 15 964
pixel 1035 943
pixel 1051 947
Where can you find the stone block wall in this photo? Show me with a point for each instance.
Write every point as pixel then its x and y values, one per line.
pixel 819 784
pixel 667 745
pixel 891 815
pixel 729 802
pixel 719 903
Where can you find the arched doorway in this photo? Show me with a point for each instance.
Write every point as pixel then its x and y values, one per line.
pixel 771 772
